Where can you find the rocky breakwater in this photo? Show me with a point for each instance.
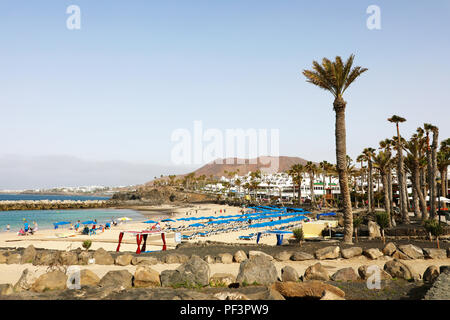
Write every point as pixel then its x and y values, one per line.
pixel 51 204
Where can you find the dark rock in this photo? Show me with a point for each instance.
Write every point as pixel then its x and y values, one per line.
pixel 431 274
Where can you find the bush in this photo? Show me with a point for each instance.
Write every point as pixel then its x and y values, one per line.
pixel 434 227
pixel 298 234
pixel 87 244
pixel 382 219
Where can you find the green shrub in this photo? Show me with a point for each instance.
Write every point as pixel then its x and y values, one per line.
pixel 87 244
pixel 434 227
pixel 298 234
pixel 382 219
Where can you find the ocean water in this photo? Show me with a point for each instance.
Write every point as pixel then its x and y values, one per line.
pixel 16 197
pixel 46 218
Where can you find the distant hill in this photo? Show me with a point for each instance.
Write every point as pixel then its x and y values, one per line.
pixel 218 167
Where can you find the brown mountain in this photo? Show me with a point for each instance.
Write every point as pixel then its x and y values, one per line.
pixel 266 164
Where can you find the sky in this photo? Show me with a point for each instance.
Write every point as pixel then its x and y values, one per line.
pixel 115 90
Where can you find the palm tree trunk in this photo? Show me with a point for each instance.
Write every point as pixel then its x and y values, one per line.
pixel 415 197
pixel 420 195
pixel 400 173
pixel 387 202
pixel 341 166
pixel 434 147
pixel 311 187
pixel 371 197
pixel 389 178
pixel 299 193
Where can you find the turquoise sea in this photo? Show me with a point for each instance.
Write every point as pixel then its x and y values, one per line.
pixel 46 218
pixel 36 197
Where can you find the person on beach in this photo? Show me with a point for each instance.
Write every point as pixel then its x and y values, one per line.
pixel 25 225
pixel 77 226
pixel 8 227
pixel 35 226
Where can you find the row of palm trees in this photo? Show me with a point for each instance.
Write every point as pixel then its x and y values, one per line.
pixel 421 164
pixel 336 77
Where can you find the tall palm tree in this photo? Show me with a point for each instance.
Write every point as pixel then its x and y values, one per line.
pixel 336 77
pixel 382 162
pixel 400 170
pixel 326 170
pixel 443 163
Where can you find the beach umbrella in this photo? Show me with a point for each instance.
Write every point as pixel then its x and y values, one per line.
pixel 150 221
pixel 124 219
pixel 168 220
pixel 89 222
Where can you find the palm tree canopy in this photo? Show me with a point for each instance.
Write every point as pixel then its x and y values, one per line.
pixel 334 76
pixel 396 119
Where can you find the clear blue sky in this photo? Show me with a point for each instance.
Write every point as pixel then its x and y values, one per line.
pixel 137 70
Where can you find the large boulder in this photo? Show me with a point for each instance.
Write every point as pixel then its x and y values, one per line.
pixel 389 249
pixel 55 280
pixel 68 258
pixel 440 290
pixel 46 258
pixel 364 272
pixel 373 253
pixel 147 261
pixel 345 274
pixel 240 256
pixel 26 280
pixel 289 274
pixel 123 259
pixel 301 256
pixel 283 256
pixel 310 289
pixel 257 269
pixel 398 269
pixel 351 252
pixel 222 279
pixel 6 289
pixel 412 251
pixel 431 274
pixel 28 255
pixel 431 253
pixel 226 258
pixel 444 269
pixel 145 277
pixel 119 279
pixel 102 257
pixel 89 278
pixel 316 272
pixel 254 253
pixel 194 272
pixel 374 230
pixel 331 252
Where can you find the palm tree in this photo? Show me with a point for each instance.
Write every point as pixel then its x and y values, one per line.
pixel 400 170
pixel 361 159
pixel 369 153
pixel 326 170
pixel 386 145
pixel 296 172
pixel 414 161
pixel 443 163
pixel 312 170
pixel 382 162
pixel 336 77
